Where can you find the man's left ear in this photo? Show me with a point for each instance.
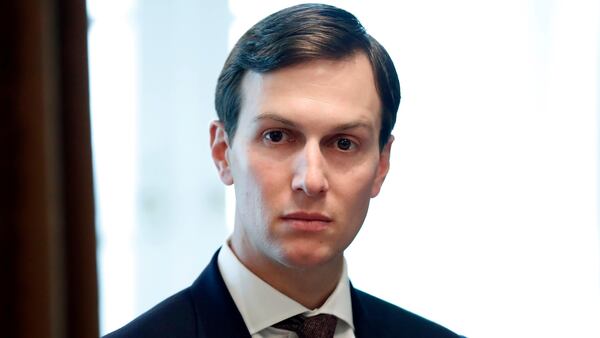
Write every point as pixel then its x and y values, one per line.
pixel 382 167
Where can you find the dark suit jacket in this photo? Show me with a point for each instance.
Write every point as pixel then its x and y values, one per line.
pixel 206 310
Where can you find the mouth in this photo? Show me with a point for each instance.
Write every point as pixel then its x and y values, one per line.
pixel 307 221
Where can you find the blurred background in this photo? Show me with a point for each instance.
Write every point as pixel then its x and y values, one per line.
pixel 488 220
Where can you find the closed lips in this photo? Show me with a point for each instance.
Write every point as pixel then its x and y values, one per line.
pixel 307 217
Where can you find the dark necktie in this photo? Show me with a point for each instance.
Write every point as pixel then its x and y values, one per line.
pixel 319 326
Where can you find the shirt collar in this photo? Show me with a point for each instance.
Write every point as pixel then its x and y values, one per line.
pixel 250 293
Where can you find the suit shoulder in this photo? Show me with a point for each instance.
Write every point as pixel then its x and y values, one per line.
pixel 399 322
pixel 174 317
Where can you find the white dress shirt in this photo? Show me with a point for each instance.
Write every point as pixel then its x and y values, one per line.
pixel 262 306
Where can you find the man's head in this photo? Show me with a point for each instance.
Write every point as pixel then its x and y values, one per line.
pixel 300 34
pixel 307 94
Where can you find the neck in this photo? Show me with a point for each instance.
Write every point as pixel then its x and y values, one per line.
pixel 309 286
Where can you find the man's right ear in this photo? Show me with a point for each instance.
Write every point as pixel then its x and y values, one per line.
pixel 219 145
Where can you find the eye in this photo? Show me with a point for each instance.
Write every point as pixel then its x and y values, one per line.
pixel 345 144
pixel 275 136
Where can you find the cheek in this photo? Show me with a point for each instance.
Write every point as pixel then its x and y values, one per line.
pixel 358 180
pixel 356 190
pixel 260 182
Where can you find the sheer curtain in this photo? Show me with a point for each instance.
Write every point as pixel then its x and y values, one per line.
pixel 487 222
pixel 153 67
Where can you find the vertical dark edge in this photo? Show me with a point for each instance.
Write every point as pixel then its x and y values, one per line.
pixel 78 199
pixel 8 166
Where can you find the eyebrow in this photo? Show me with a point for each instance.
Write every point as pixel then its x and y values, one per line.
pixel 275 117
pixel 283 120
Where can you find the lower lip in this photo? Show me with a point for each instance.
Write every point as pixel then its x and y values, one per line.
pixel 308 226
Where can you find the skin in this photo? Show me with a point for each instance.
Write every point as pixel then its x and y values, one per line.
pixel 305 162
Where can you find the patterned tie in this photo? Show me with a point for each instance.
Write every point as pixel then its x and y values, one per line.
pixel 319 326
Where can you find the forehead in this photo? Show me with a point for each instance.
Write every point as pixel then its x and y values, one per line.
pixel 319 91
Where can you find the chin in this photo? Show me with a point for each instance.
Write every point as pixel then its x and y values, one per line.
pixel 306 257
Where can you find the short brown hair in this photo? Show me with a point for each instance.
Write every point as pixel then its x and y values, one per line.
pixel 298 34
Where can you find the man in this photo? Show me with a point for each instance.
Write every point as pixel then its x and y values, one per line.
pixel 306 103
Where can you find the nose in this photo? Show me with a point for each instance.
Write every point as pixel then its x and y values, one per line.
pixel 310 171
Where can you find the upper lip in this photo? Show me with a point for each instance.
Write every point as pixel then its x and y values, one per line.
pixel 307 216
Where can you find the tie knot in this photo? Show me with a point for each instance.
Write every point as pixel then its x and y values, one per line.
pixel 319 326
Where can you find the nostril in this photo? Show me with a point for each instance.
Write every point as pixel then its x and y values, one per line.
pixel 310 183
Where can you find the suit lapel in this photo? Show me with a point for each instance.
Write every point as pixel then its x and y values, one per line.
pixel 216 313
pixel 362 323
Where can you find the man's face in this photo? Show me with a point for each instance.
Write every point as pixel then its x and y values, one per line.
pixel 305 161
